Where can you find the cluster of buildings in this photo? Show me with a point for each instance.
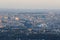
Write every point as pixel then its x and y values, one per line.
pixel 31 22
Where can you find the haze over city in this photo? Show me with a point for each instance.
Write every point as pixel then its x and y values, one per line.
pixel 30 4
pixel 29 19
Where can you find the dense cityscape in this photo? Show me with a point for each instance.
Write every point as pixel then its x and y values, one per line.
pixel 29 25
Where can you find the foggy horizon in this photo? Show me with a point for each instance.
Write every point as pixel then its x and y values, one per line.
pixel 30 4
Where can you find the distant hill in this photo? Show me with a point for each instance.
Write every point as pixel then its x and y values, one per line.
pixel 15 11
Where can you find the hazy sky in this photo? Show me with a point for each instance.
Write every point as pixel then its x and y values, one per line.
pixel 30 4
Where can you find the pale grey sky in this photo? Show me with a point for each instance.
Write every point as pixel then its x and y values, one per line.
pixel 30 4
